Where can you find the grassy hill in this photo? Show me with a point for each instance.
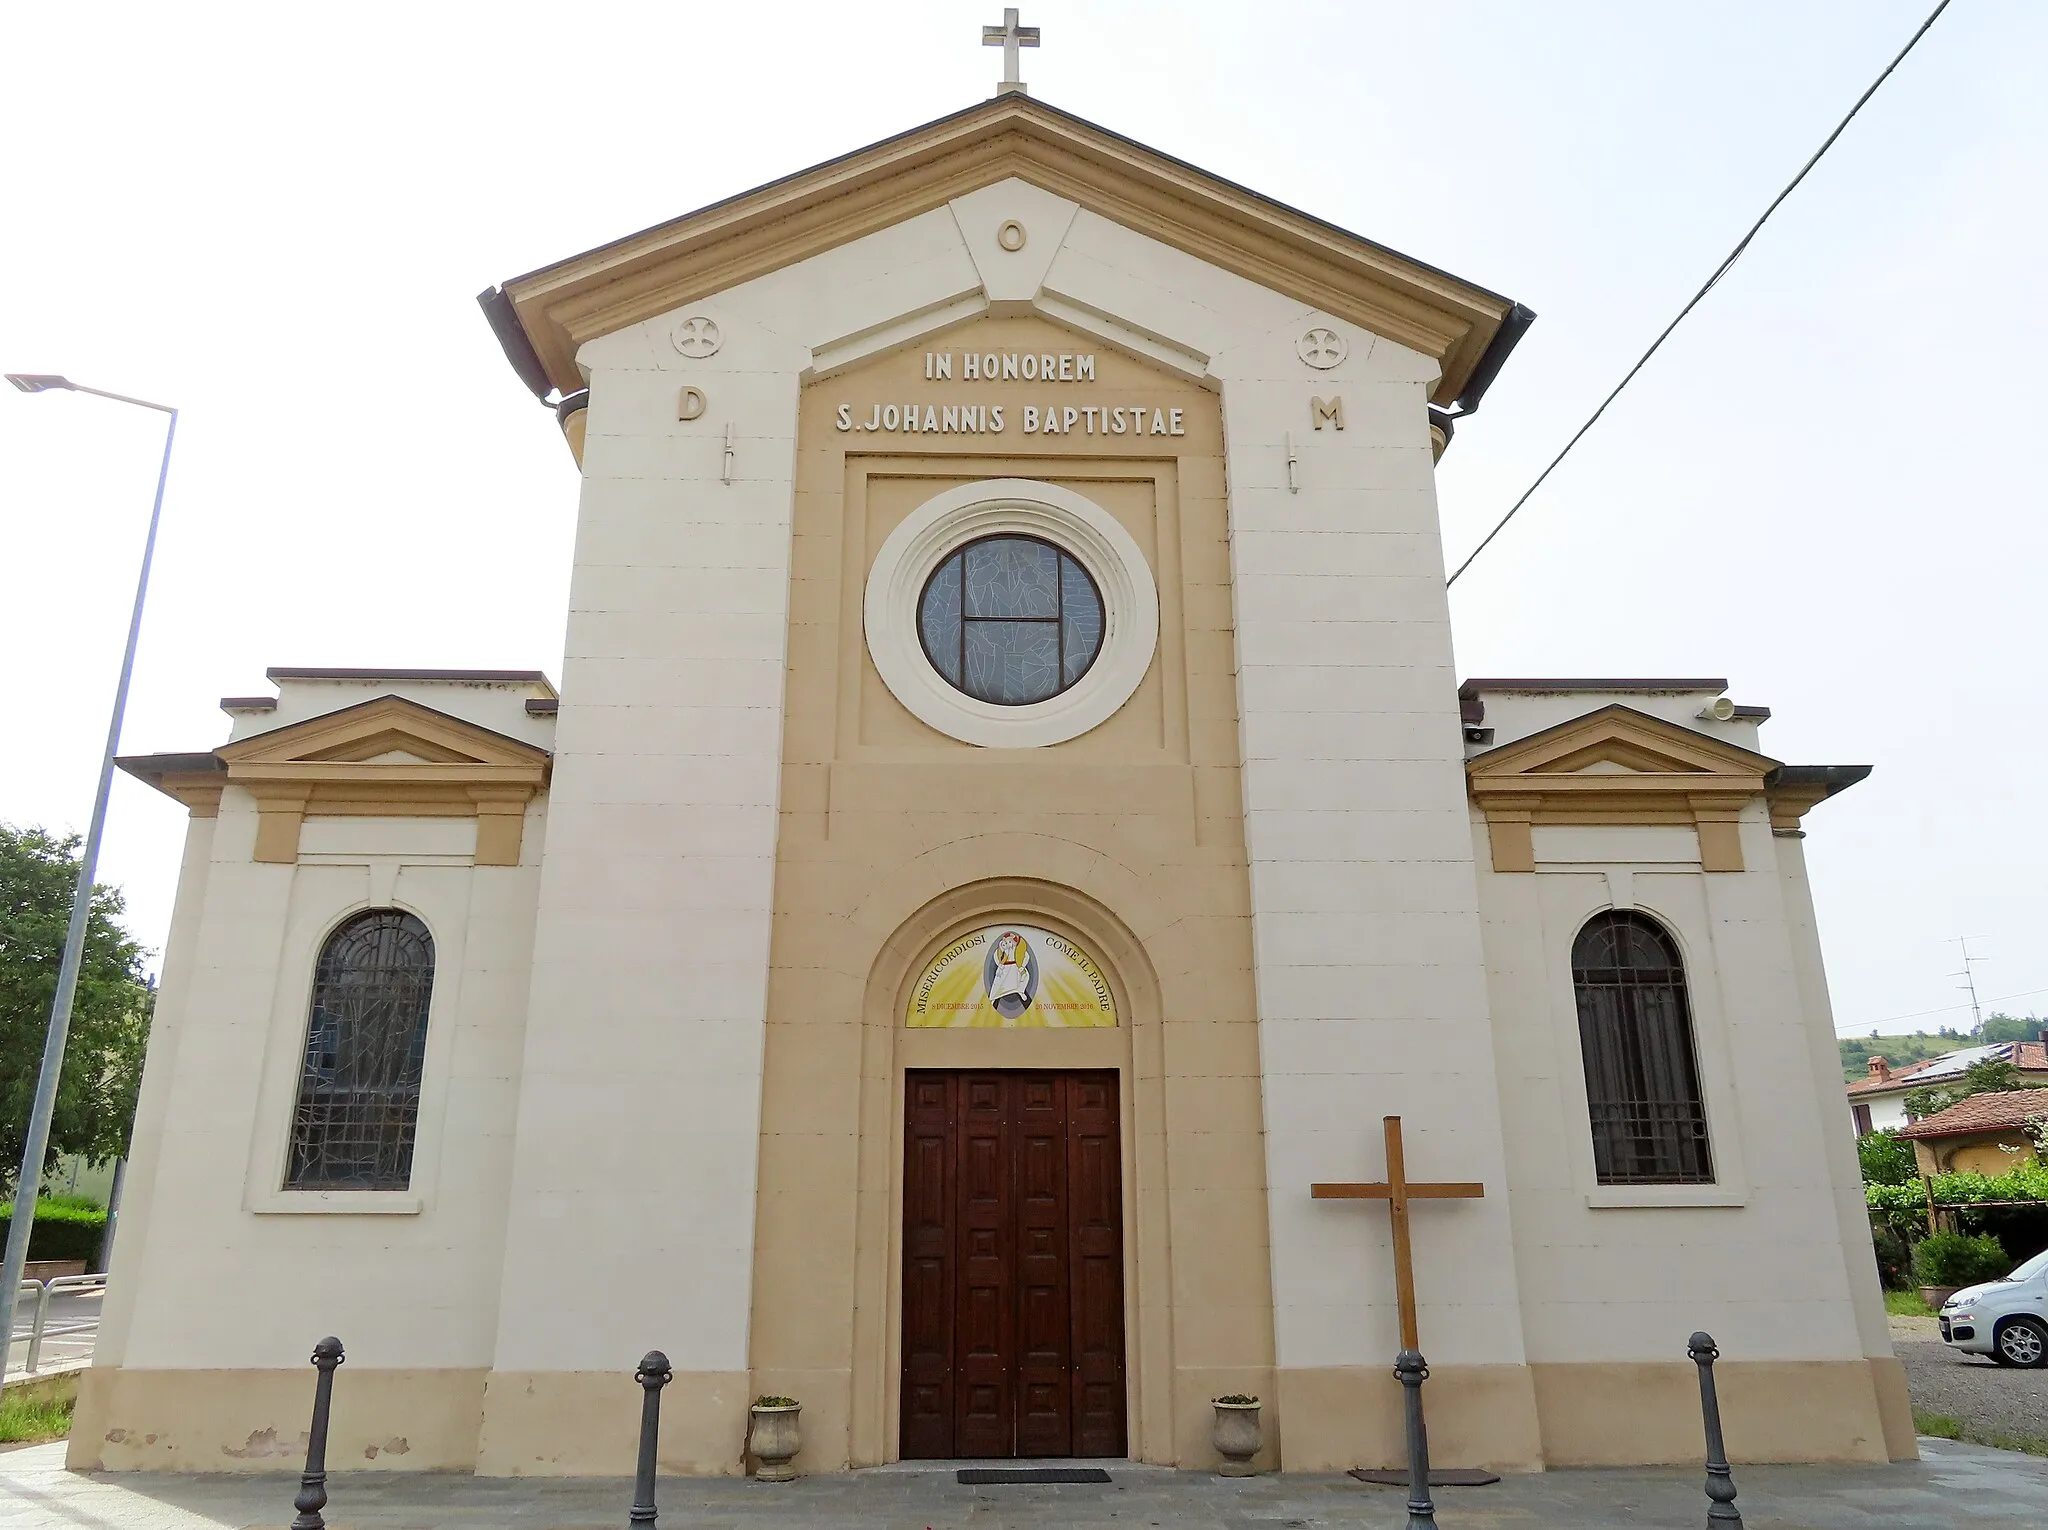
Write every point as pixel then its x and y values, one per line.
pixel 1917 1046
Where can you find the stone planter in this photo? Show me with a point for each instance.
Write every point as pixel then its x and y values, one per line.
pixel 1236 1438
pixel 1934 1296
pixel 773 1440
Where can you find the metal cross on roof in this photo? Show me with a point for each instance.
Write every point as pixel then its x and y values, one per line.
pixel 1009 37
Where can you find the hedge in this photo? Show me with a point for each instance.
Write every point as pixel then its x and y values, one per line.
pixel 62 1231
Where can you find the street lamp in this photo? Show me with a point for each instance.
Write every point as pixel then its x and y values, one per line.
pixel 37 1142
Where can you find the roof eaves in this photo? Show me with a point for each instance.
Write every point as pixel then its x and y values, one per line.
pixel 503 304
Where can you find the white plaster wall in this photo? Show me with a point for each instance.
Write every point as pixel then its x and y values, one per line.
pixel 1887 1112
pixel 1768 1258
pixel 215 1267
pixel 1372 997
pixel 160 1061
pixel 634 1168
pixel 1838 1128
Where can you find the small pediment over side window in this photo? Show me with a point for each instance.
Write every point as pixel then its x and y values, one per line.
pixel 388 757
pixel 1617 766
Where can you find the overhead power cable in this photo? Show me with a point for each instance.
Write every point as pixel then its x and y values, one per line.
pixel 1719 272
pixel 1856 1026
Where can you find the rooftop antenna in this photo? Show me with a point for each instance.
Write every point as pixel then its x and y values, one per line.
pixel 1010 37
pixel 1969 977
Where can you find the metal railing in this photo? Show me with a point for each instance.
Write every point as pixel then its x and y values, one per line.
pixel 44 1290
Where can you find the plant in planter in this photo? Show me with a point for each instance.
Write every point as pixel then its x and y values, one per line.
pixel 1945 1262
pixel 1237 1435
pixel 772 1436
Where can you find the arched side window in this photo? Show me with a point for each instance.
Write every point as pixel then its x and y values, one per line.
pixel 1642 1074
pixel 359 1092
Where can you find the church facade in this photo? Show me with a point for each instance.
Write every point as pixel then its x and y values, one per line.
pixel 1010 823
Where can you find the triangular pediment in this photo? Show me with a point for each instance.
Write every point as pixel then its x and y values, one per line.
pixel 544 317
pixel 1607 747
pixel 389 733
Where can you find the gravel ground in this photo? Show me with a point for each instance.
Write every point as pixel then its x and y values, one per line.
pixel 1973 1388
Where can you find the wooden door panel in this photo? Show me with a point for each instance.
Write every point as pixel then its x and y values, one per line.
pixel 928 1197
pixel 1044 1326
pixel 1095 1232
pixel 985 1331
pixel 1012 1266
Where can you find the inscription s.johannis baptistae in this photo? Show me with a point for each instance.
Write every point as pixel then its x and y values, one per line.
pixel 918 417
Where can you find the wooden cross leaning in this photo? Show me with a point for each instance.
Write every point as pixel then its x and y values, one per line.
pixel 1397 1192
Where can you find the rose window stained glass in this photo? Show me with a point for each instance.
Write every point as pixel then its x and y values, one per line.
pixel 1011 620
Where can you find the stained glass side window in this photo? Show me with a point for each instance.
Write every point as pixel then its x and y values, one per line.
pixel 1011 619
pixel 359 1090
pixel 1642 1075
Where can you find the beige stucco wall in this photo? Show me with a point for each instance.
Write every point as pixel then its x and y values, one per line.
pixel 1991 1153
pixel 895 837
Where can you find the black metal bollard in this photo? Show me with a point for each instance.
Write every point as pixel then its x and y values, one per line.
pixel 653 1375
pixel 1721 1508
pixel 1411 1372
pixel 313 1482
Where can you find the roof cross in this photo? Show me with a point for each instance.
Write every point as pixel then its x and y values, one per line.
pixel 1397 1192
pixel 1010 37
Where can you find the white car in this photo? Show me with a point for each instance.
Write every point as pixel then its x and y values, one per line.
pixel 2006 1319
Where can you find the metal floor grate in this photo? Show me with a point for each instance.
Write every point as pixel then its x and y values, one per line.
pixel 1007 1476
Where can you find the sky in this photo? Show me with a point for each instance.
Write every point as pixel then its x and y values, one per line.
pixel 1826 487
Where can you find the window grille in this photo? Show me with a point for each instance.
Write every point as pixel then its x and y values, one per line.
pixel 359 1092
pixel 1642 1075
pixel 1011 619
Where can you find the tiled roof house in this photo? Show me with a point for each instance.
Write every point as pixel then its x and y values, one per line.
pixel 1987 1133
pixel 1877 1100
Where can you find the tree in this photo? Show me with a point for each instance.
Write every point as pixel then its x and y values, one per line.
pixel 109 1015
pixel 1979 1078
pixel 2009 1028
pixel 1887 1159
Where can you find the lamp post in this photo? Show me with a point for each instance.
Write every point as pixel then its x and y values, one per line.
pixel 37 1141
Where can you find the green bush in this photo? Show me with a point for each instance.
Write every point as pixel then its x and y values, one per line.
pixel 1894 1257
pixel 1952 1259
pixel 1901 1208
pixel 1887 1159
pixel 64 1229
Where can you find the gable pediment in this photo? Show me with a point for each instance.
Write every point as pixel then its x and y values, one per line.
pixel 546 316
pixel 384 727
pixel 387 757
pixel 1617 766
pixel 1619 741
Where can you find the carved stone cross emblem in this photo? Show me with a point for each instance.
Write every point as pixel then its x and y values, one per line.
pixel 698 337
pixel 1322 348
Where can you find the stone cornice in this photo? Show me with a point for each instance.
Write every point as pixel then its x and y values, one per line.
pixel 388 757
pixel 563 305
pixel 1617 765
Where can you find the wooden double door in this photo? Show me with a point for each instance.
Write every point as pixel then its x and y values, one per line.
pixel 1013 1303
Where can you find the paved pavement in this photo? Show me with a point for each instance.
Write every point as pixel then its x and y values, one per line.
pixel 1955 1486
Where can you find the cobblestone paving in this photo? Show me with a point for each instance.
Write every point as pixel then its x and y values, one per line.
pixel 1954 1486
